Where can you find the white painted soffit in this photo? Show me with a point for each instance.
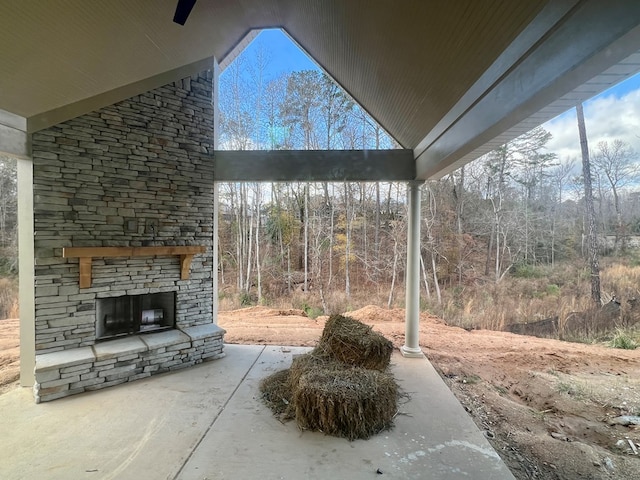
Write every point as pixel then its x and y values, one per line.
pixel 405 62
pixel 419 68
pixel 586 50
pixel 73 110
pixel 611 77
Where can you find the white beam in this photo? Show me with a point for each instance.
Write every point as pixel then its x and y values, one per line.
pixel 14 140
pixel 238 49
pixel 314 165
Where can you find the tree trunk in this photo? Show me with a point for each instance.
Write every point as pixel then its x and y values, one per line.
pixel 288 269
pixel 393 272
pixel 590 211
pixel 258 269
pixel 239 235
pixel 425 279
pixel 331 235
pixel 365 244
pixel 619 225
pixel 487 264
pixel 249 244
pixel 306 238
pixel 459 212
pixel 376 239
pixel 347 250
pixel 497 265
pixel 435 279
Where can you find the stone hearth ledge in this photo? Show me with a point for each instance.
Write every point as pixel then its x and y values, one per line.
pixel 68 372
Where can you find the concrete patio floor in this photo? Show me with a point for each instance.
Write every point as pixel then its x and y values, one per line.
pixel 208 422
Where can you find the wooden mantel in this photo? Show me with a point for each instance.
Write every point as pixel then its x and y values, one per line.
pixel 87 254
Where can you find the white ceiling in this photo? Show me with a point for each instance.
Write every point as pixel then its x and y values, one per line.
pixel 445 78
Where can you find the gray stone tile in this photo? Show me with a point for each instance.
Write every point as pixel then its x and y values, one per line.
pixel 203 331
pixel 116 348
pixel 64 358
pixel 164 339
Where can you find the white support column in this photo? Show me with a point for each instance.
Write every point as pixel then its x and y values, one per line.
pixel 27 273
pixel 411 347
pixel 15 141
pixel 216 138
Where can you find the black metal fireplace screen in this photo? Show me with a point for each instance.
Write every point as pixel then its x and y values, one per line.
pixel 133 314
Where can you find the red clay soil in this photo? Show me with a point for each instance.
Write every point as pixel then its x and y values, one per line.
pixel 548 407
pixel 9 354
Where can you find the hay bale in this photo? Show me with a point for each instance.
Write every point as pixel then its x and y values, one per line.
pixel 346 402
pixel 341 388
pixel 278 389
pixel 277 394
pixel 301 364
pixel 354 343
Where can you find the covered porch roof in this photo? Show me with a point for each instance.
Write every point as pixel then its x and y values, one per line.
pixel 448 80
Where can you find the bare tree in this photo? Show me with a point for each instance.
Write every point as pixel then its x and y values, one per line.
pixel 496 166
pixel 429 221
pixel 560 175
pixel 617 163
pixel 590 212
pixel 258 216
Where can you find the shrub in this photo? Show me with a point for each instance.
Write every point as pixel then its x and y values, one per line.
pixel 553 290
pixel 312 312
pixel 624 339
pixel 245 299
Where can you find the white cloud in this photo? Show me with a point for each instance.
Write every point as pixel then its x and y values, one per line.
pixel 608 117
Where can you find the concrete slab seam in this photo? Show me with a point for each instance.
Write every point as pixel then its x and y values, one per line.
pixel 215 419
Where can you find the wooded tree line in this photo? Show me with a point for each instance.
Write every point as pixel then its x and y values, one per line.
pixel 519 205
pixel 8 202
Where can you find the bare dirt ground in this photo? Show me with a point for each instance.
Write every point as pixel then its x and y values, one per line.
pixel 548 407
pixel 9 354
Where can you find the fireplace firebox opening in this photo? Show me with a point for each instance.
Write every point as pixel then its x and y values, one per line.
pixel 133 314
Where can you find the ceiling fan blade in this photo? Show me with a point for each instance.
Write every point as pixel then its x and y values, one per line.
pixel 183 9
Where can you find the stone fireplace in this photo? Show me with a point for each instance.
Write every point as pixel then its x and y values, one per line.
pixel 123 225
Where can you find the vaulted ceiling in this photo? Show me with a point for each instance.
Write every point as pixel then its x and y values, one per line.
pixel 450 79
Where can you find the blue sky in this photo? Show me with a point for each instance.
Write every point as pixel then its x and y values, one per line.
pixel 613 114
pixel 285 55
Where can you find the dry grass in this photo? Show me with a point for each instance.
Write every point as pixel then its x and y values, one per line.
pixel 560 295
pixel 336 301
pixel 530 294
pixel 623 280
pixel 494 306
pixel 8 298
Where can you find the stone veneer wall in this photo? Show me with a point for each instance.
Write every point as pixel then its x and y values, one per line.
pixel 137 173
pixel 105 364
